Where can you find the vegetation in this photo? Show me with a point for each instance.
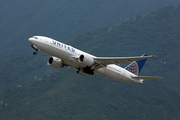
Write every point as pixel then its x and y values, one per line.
pixel 62 19
pixel 78 97
pixel 154 33
pixel 63 94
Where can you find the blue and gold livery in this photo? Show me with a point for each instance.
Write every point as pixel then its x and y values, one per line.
pixel 136 66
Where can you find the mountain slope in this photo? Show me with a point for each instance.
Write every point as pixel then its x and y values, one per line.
pixel 79 97
pixel 154 33
pixel 63 19
pixel 67 95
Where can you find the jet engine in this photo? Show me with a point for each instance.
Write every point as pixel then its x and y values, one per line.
pixel 85 60
pixel 55 62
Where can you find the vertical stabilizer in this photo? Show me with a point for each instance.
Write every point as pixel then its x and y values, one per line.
pixel 136 66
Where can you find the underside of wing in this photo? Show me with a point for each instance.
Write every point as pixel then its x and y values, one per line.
pixel 117 60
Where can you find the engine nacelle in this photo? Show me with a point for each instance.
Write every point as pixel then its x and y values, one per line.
pixel 85 60
pixel 55 62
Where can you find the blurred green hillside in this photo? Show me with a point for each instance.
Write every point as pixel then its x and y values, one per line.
pixel 63 94
pixel 70 96
pixel 63 19
pixel 154 33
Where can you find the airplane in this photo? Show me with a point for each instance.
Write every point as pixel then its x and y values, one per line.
pixel 87 64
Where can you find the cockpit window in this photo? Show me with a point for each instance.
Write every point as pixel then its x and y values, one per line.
pixel 35 37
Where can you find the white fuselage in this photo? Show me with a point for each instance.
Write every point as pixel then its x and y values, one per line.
pixel 69 56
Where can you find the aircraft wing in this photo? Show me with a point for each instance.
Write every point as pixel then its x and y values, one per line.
pixel 117 60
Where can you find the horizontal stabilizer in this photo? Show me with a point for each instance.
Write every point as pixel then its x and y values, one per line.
pixel 146 77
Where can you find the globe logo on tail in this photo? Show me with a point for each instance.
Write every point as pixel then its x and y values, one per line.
pixel 136 66
pixel 133 68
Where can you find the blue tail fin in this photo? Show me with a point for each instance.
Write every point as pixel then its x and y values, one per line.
pixel 136 66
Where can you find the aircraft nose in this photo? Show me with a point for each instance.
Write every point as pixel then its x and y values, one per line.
pixel 32 40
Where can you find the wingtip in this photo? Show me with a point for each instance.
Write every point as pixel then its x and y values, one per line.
pixel 153 56
pixel 149 55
